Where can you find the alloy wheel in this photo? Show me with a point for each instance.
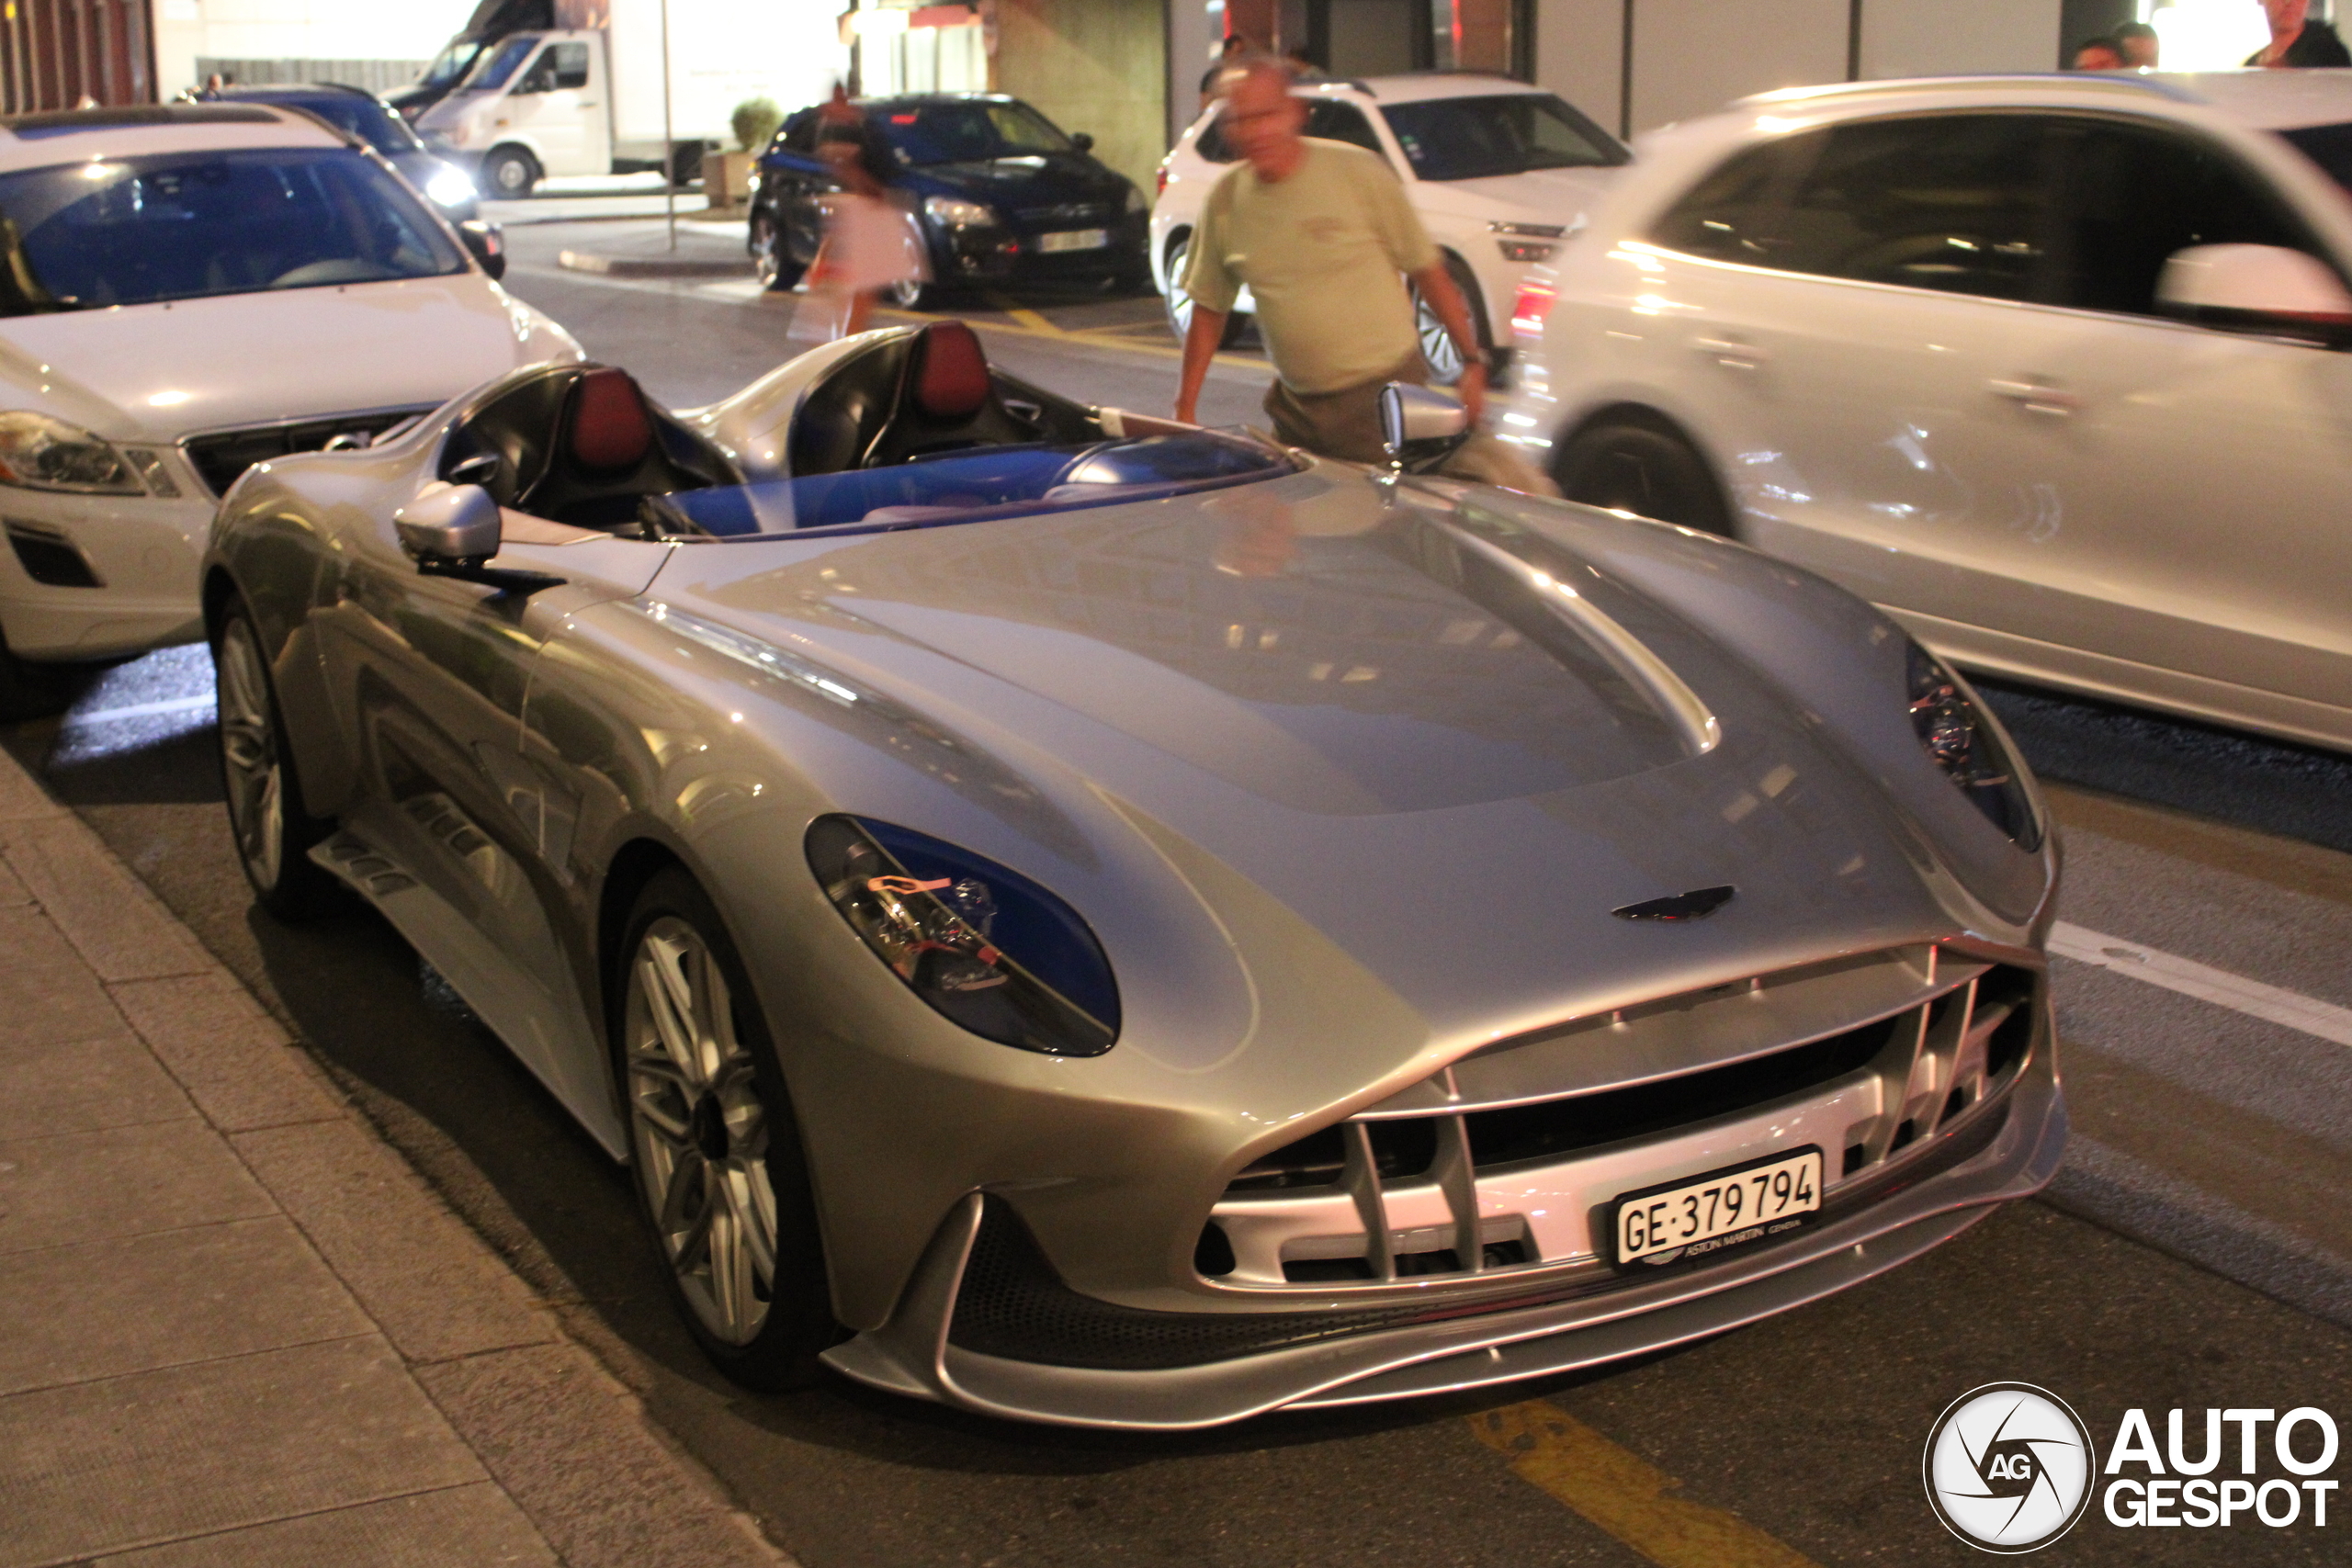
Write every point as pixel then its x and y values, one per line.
pixel 1437 345
pixel 700 1131
pixel 252 767
pixel 1179 303
pixel 763 247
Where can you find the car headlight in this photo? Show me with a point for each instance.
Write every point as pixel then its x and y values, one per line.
pixel 958 214
pixel 41 452
pixel 1964 741
pixel 449 188
pixel 984 945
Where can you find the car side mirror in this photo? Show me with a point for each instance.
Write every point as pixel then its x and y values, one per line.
pixel 2257 288
pixel 1420 428
pixel 449 522
pixel 452 530
pixel 1082 142
pixel 486 241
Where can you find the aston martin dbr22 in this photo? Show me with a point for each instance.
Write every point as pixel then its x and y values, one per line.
pixel 1104 921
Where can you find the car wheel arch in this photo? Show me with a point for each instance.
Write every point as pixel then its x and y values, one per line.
pixel 1636 415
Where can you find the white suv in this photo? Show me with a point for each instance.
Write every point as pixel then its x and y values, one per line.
pixel 2052 369
pixel 1498 171
pixel 190 290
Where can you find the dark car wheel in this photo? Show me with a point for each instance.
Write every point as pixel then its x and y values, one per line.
pixel 1643 467
pixel 273 832
pixel 1437 344
pixel 771 255
pixel 720 1177
pixel 908 293
pixel 509 172
pixel 1179 303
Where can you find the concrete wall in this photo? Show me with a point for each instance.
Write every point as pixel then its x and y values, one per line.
pixel 1092 65
pixel 1938 38
pixel 1579 55
pixel 1691 57
pixel 296 29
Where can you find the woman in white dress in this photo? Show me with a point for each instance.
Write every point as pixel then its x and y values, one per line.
pixel 869 245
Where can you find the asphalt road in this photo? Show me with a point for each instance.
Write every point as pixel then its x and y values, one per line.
pixel 2192 1254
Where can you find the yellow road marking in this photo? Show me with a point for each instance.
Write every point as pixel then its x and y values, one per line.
pixel 1624 1494
pixel 1103 337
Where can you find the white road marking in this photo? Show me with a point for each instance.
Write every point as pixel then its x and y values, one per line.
pixel 2253 998
pixel 140 710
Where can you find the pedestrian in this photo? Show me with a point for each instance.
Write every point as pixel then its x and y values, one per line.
pixel 2297 40
pixel 2140 45
pixel 1228 54
pixel 2098 54
pixel 869 245
pixel 1323 236
pixel 1302 65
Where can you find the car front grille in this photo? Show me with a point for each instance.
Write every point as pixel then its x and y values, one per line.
pixel 219 456
pixel 1068 215
pixel 1470 1173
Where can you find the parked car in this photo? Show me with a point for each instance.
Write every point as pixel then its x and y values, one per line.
pixel 995 193
pixel 1499 171
pixel 368 117
pixel 2052 369
pixel 193 288
pixel 1097 921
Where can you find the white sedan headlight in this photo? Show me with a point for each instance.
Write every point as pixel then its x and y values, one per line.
pixel 40 452
pixel 449 188
pixel 956 213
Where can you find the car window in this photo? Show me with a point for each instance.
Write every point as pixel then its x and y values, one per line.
pixel 1957 203
pixel 365 118
pixel 1732 215
pixel 450 64
pixel 967 131
pixel 1469 139
pixel 178 226
pixel 2137 193
pixel 1211 144
pixel 564 65
pixel 2329 146
pixel 492 70
pixel 1336 121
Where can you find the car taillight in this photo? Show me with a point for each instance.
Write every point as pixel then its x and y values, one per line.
pixel 1534 303
pixel 1159 181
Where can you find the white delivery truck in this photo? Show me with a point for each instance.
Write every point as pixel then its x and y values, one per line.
pixel 585 97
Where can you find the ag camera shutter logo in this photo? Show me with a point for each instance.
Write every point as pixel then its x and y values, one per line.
pixel 2009 1468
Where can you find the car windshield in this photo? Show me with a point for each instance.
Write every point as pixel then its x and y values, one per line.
pixel 494 66
pixel 364 117
pixel 451 63
pixel 968 132
pixel 2329 146
pixel 1472 139
pixel 970 485
pixel 180 226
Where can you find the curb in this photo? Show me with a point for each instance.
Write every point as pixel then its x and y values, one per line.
pixel 346 1368
pixel 652 266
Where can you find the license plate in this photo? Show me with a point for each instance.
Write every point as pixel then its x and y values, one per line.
pixel 1725 1208
pixel 1075 240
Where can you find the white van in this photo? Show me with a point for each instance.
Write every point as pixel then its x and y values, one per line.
pixel 588 101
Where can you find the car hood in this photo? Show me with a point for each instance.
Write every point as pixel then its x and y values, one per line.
pixel 155 372
pixel 1540 195
pixel 1361 708
pixel 1018 183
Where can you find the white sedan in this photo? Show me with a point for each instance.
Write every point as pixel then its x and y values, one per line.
pixel 1498 171
pixel 190 290
pixel 2053 368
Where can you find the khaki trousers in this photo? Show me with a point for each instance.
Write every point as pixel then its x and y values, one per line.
pixel 1346 425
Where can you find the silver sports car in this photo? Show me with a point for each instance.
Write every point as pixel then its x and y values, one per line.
pixel 1103 922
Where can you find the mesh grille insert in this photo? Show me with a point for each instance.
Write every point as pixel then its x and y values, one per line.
pixel 222 456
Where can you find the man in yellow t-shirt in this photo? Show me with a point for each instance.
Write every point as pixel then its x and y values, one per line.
pixel 1323 236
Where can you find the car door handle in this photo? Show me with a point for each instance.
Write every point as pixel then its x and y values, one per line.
pixel 2036 397
pixel 1730 353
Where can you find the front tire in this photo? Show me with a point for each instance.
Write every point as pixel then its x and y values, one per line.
pixel 1644 466
pixel 509 173
pixel 772 255
pixel 267 819
pixel 32 690
pixel 721 1180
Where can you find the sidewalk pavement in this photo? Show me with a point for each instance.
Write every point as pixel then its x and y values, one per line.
pixel 236 1329
pixel 709 248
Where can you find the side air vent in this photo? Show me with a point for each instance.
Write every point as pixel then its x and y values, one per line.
pixel 220 456
pixel 50 557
